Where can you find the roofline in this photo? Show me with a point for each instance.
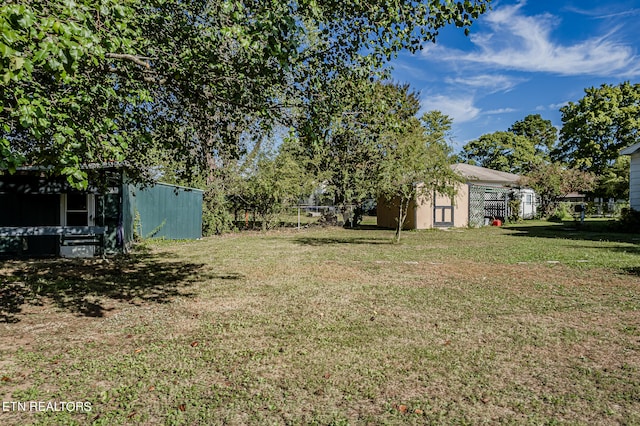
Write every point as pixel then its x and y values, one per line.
pixel 498 177
pixel 631 149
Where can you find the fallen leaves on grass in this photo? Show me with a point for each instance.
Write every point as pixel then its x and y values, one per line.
pixel 402 408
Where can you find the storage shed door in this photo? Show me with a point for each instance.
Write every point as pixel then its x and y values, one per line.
pixel 77 210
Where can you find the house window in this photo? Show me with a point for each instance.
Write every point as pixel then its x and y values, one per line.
pixel 529 199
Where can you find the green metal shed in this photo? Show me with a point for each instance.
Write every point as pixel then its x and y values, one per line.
pixel 42 215
pixel 162 211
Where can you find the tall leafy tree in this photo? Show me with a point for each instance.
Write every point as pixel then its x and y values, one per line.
pixel 342 131
pixel 542 133
pixel 596 127
pixel 614 182
pixel 104 80
pixel 60 102
pixel 503 151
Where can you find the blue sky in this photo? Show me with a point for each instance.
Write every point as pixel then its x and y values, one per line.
pixel 521 58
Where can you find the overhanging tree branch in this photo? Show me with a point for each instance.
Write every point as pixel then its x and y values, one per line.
pixel 139 60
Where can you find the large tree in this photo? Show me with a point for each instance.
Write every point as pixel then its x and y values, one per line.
pixel 542 133
pixel 341 133
pixel 504 151
pixel 96 81
pixel 598 126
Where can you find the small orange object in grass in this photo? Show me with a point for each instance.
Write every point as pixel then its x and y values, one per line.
pixel 496 222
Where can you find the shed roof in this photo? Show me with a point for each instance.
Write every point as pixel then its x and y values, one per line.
pixel 631 149
pixel 482 174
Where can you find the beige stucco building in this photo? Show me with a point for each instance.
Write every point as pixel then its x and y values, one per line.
pixel 485 193
pixel 432 212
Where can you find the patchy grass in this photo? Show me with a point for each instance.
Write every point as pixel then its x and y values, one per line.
pixel 532 323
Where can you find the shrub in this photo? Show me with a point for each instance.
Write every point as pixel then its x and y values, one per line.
pixel 514 209
pixel 629 220
pixel 561 213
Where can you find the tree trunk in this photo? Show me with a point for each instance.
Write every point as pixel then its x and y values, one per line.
pixel 402 215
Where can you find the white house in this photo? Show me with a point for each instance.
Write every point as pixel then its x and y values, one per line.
pixel 634 175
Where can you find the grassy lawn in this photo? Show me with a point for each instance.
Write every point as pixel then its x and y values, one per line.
pixel 532 323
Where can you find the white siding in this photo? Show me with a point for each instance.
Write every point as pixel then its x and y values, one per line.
pixel 634 182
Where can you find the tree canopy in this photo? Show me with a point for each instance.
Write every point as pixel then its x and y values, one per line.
pixel 542 133
pixel 342 133
pixel 598 126
pixel 503 151
pixel 97 81
pixel 525 144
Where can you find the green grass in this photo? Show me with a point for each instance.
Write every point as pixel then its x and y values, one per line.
pixel 532 323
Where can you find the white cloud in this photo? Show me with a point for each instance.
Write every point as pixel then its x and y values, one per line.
pixel 604 12
pixel 556 107
pixel 460 109
pixel 552 107
pixel 489 83
pixel 500 111
pixel 524 43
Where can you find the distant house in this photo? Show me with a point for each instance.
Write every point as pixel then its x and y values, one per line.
pixel 634 175
pixel 574 197
pixel 486 195
pixel 45 216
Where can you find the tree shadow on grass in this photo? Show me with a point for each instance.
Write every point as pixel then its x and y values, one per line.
pixel 575 231
pixel 87 286
pixel 633 271
pixel 323 241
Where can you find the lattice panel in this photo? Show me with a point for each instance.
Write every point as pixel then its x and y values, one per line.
pixel 487 201
pixel 476 205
